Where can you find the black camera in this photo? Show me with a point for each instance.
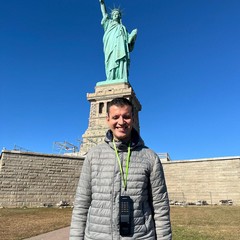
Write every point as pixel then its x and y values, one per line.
pixel 126 206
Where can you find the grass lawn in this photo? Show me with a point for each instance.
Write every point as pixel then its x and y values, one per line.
pixel 206 223
pixel 20 223
pixel 188 223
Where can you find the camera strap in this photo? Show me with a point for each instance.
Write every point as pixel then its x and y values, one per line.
pixel 120 164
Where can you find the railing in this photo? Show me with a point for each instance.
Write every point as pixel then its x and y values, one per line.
pixel 164 156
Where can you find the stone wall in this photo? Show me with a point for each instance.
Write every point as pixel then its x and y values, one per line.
pixel 33 179
pixel 204 179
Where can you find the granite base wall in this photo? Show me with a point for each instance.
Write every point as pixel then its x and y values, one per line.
pixel 211 180
pixel 33 179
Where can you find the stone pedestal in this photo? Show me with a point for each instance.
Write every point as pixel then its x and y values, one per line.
pixel 99 100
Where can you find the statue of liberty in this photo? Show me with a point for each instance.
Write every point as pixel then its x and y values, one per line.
pixel 117 44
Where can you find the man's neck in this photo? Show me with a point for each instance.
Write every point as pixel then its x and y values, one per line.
pixel 125 140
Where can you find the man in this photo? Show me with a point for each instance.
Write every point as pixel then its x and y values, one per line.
pixel 118 43
pixel 122 192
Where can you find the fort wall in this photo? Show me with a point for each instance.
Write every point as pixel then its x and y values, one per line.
pixel 34 179
pixel 211 180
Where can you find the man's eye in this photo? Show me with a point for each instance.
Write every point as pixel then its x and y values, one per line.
pixel 115 117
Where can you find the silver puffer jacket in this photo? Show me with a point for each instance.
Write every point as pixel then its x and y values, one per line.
pixel 96 208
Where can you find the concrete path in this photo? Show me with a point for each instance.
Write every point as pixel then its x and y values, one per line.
pixel 61 234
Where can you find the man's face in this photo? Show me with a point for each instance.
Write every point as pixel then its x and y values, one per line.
pixel 120 121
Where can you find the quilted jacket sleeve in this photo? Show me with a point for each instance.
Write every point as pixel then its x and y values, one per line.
pixel 82 203
pixel 160 201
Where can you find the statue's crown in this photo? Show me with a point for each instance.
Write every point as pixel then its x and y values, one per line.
pixel 116 10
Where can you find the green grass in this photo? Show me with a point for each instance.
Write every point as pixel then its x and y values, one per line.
pixel 206 223
pixel 188 223
pixel 19 223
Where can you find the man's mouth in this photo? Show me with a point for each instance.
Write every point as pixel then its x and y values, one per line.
pixel 121 128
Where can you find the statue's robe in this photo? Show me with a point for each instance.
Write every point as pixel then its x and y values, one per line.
pixel 117 44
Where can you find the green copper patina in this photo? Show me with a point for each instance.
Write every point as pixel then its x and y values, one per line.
pixel 117 44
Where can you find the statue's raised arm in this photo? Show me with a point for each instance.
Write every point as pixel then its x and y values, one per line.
pixel 118 44
pixel 103 8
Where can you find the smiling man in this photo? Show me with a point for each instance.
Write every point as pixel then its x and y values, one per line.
pixel 122 192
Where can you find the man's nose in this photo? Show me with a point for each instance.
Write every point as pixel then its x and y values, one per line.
pixel 121 120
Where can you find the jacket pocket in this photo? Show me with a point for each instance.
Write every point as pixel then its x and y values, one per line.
pixel 147 217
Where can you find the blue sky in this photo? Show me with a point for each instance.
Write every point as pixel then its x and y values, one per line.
pixel 185 70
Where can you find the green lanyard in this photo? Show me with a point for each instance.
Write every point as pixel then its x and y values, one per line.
pixel 120 165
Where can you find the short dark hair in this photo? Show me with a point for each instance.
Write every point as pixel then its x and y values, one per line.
pixel 119 102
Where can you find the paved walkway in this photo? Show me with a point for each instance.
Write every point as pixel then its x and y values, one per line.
pixel 61 234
